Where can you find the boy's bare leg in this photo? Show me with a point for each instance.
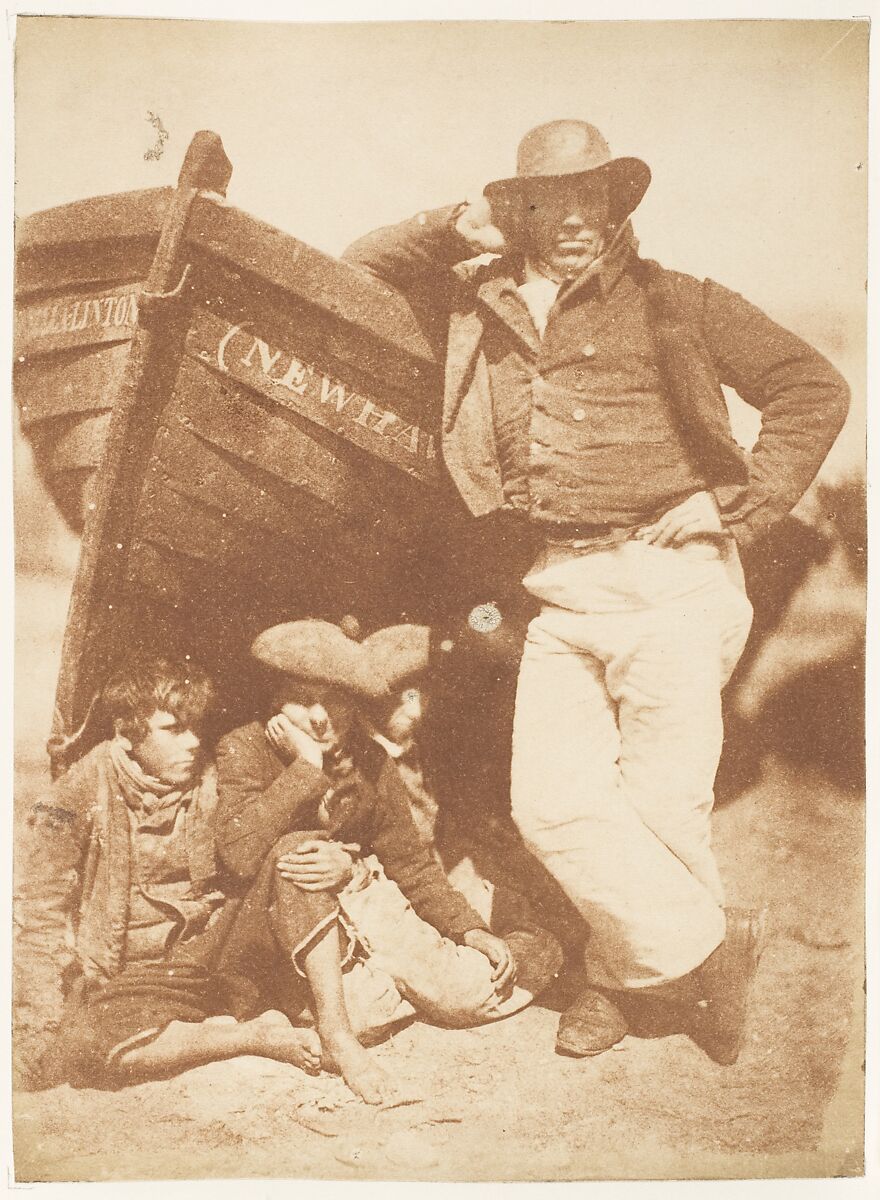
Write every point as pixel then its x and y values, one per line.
pixel 185 1044
pixel 322 965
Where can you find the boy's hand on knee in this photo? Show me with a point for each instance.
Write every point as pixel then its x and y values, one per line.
pixel 318 865
pixel 498 953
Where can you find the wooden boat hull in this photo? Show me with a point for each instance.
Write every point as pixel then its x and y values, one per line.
pixel 79 270
pixel 244 429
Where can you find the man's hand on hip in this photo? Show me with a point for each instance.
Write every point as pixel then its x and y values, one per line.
pixel 695 518
pixel 498 953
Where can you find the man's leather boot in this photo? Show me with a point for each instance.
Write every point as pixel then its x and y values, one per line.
pixel 724 986
pixel 592 1025
pixel 711 1003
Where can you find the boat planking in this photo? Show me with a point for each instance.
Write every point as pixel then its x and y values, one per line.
pixel 243 430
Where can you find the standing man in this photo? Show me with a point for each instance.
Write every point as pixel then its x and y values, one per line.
pixel 583 405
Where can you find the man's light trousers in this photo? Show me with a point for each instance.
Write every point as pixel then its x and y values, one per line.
pixel 616 742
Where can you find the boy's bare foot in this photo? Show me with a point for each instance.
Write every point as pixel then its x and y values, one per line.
pixel 185 1044
pixel 344 1053
pixel 275 1037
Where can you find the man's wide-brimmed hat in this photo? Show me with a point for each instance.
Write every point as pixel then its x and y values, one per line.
pixel 320 652
pixel 562 149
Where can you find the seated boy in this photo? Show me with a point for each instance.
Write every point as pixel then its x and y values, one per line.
pixel 124 937
pixel 378 918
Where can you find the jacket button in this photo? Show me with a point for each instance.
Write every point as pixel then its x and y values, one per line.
pixel 589 350
pixel 578 414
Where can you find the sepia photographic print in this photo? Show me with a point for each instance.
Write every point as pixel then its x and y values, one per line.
pixel 440 592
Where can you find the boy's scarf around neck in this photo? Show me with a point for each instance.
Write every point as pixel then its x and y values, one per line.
pixel 159 803
pixel 143 793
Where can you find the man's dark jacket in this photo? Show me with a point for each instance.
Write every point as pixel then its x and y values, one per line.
pixel 705 336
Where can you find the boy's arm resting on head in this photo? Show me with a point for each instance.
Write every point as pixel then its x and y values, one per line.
pixel 259 799
pixel 803 401
pixel 410 864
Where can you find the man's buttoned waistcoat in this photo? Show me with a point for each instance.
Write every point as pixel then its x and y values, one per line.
pixel 704 336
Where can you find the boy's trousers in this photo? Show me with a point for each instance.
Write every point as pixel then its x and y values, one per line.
pixel 616 742
pixel 432 976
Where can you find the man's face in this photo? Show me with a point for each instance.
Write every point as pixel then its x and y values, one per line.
pixel 325 713
pixel 168 751
pixel 566 223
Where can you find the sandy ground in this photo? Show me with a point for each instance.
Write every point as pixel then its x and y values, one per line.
pixel 499 1104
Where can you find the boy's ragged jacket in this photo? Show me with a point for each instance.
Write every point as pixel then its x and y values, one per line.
pixel 261 799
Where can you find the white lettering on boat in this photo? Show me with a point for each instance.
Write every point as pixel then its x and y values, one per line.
pixel 87 313
pixel 253 360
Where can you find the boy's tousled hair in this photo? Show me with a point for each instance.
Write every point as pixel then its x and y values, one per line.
pixel 147 683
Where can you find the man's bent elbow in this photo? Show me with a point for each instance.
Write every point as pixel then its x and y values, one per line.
pixel 366 254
